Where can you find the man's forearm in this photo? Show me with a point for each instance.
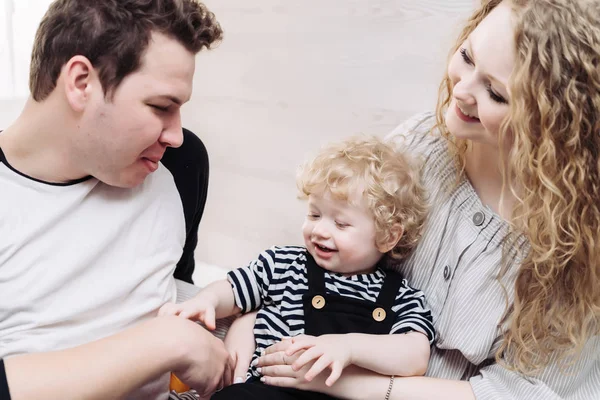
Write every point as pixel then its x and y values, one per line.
pixel 109 368
pixel 396 354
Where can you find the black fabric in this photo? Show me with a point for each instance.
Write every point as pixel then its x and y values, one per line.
pixel 346 315
pixel 189 166
pixel 339 315
pixel 4 393
pixel 254 389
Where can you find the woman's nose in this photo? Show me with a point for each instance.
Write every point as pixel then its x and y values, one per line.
pixel 463 91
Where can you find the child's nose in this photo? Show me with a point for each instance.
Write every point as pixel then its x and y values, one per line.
pixel 320 230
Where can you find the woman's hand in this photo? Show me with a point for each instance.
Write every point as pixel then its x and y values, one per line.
pixel 326 351
pixel 241 344
pixel 276 368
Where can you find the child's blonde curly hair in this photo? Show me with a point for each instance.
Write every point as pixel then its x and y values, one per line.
pixel 388 179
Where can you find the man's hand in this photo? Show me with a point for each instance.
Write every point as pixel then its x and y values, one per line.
pixel 200 308
pixel 202 360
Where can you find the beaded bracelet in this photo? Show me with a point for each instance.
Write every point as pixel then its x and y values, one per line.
pixel 389 391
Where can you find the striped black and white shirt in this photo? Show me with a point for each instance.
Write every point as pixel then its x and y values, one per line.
pixel 457 263
pixel 275 282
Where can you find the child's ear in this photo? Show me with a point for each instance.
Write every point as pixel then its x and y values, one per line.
pixel 396 233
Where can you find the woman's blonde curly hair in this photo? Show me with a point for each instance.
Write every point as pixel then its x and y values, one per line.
pixel 389 181
pixel 553 169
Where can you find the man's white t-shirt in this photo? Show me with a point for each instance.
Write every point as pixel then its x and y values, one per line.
pixel 84 260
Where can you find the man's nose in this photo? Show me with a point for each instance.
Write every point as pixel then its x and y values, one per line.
pixel 172 134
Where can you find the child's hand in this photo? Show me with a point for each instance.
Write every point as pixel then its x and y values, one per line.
pixel 326 351
pixel 198 309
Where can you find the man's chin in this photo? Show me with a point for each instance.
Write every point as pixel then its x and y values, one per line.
pixel 124 182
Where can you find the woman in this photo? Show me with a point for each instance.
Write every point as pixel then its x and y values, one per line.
pixel 509 260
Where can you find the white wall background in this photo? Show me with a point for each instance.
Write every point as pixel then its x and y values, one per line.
pixel 289 76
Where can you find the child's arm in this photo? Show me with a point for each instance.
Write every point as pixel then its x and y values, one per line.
pixel 214 301
pixel 394 354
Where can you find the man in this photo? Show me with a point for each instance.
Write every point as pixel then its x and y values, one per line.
pixel 92 223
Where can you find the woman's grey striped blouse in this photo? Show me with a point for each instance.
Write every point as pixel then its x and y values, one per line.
pixel 456 265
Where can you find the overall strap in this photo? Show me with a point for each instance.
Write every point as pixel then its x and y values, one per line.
pixel 389 289
pixel 316 275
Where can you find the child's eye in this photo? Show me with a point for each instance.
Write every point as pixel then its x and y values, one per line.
pixel 313 216
pixel 341 225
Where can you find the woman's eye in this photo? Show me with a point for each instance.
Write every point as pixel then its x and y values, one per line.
pixel 465 56
pixel 496 97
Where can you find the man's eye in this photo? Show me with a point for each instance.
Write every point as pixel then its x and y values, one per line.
pixel 159 108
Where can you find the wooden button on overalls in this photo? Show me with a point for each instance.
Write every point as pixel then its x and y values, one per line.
pixel 318 302
pixel 379 314
pixel 331 313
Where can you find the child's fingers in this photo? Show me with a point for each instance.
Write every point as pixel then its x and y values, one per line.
pixel 336 372
pixel 306 357
pixel 318 367
pixel 189 314
pixel 298 345
pixel 282 345
pixel 209 319
pixel 168 309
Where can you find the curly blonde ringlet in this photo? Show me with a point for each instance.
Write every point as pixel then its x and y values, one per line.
pixel 554 125
pixel 553 169
pixel 388 179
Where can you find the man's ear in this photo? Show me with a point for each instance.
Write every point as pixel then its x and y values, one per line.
pixel 396 233
pixel 77 75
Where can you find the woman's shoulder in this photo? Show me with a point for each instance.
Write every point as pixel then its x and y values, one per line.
pixel 417 134
pixel 420 137
pixel 421 122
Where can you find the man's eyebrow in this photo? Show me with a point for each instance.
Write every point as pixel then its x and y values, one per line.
pixel 174 99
